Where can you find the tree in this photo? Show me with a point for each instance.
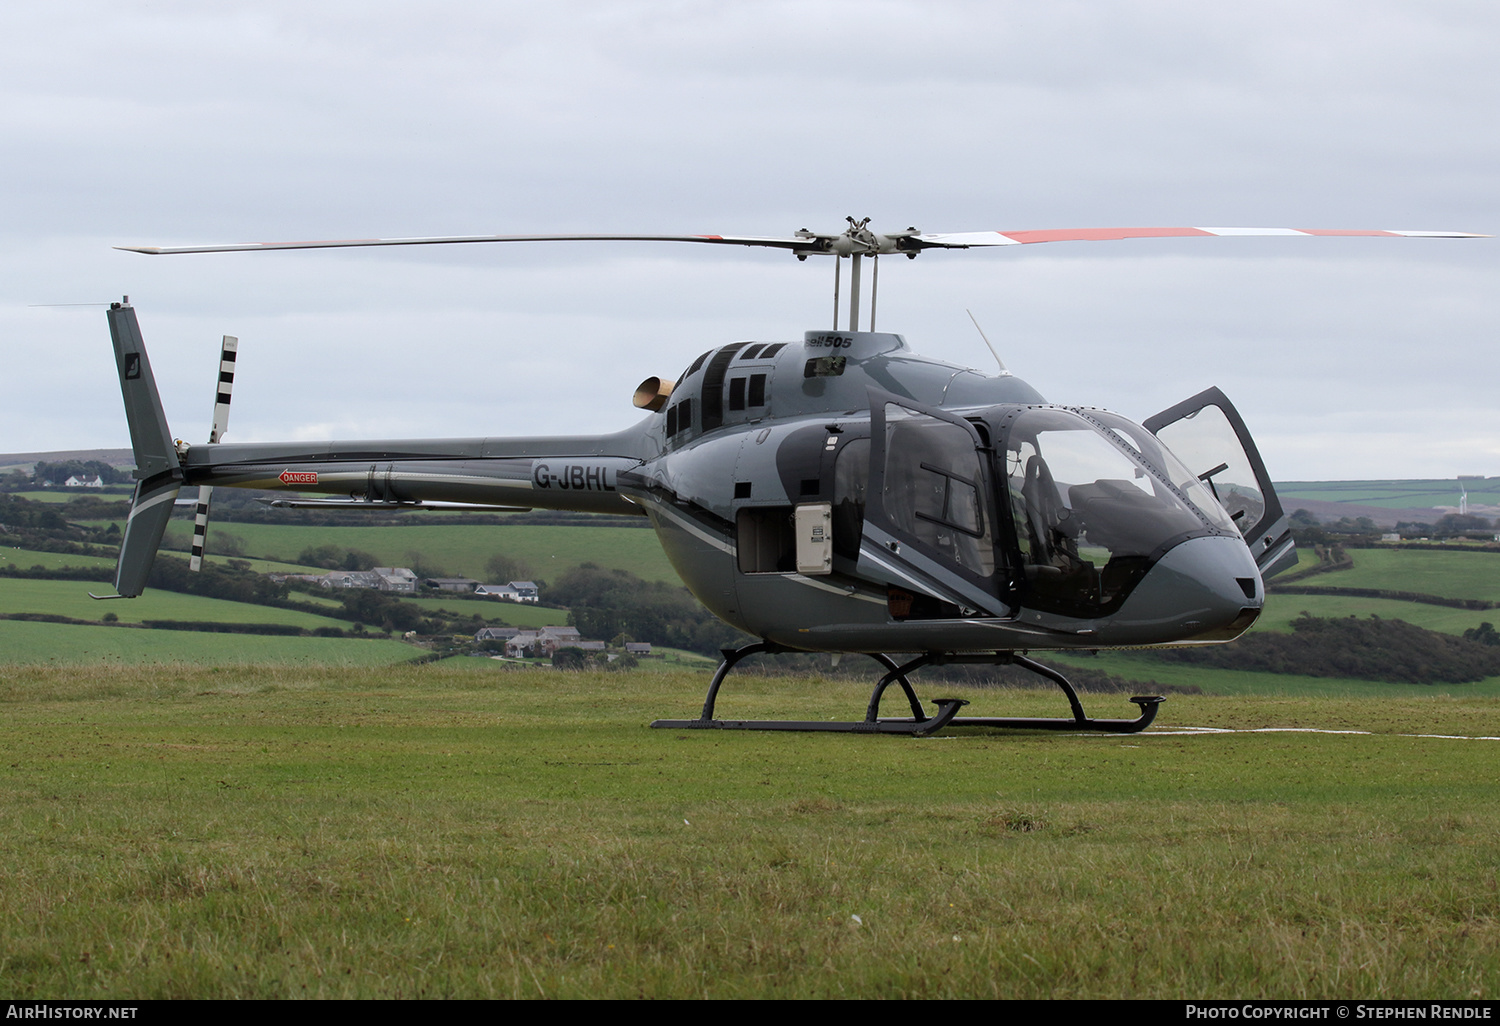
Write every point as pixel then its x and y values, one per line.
pixel 503 568
pixel 1485 634
pixel 570 659
pixel 609 603
pixel 1452 525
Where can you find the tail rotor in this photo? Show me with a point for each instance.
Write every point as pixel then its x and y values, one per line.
pixel 227 355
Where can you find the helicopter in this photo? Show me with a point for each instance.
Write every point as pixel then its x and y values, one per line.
pixel 837 494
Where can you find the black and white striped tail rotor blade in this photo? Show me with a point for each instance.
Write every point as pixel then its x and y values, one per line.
pixel 227 355
pixel 200 528
pixel 226 388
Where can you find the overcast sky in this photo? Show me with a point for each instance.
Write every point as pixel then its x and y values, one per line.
pixel 183 123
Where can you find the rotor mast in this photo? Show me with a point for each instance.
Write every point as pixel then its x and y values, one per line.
pixel 856 243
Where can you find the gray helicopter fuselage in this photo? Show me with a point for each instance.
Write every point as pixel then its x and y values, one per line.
pixel 845 494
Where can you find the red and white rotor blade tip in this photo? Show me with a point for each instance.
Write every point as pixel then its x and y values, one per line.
pixel 966 240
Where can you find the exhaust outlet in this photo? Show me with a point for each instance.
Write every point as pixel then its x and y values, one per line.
pixel 652 393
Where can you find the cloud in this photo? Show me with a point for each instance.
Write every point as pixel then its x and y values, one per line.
pixel 185 122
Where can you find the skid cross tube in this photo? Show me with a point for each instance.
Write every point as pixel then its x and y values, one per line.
pixel 919 724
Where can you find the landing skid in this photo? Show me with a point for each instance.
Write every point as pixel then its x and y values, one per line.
pixel 919 724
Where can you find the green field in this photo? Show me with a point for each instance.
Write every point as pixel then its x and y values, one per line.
pixel 1467 575
pixel 1413 494
pixel 26 644
pixel 512 614
pixel 1463 575
pixel 28 558
pixel 1144 666
pixel 459 830
pixel 1281 610
pixel 460 549
pixel 71 598
pixel 60 495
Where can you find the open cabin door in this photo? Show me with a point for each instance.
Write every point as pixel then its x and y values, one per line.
pixel 1207 433
pixel 930 518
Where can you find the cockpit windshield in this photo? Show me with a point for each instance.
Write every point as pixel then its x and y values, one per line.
pixel 1091 514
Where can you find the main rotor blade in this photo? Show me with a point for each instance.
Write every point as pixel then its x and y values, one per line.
pixel 774 242
pixel 966 240
pixel 857 241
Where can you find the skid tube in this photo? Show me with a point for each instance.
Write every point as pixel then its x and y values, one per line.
pixel 919 724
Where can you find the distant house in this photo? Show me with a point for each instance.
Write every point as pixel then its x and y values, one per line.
pixel 544 642
pixel 396 579
pixel 638 648
pixel 304 578
pixel 349 579
pixel 523 645
pixel 459 584
pixel 497 633
pixel 515 591
pixel 84 482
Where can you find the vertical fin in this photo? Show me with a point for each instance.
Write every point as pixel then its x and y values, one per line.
pixel 157 469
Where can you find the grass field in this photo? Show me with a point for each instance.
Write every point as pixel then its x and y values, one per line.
pixel 28 558
pixel 460 830
pixel 513 614
pixel 1147 666
pixel 71 598
pixel 1281 610
pixel 23 643
pixel 1468 575
pixel 62 495
pixel 1461 575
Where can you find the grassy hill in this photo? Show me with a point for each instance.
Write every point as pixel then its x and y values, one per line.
pixel 550 549
pixel 461 549
pixel 1413 494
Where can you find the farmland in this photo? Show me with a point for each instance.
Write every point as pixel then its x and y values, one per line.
pixel 458 548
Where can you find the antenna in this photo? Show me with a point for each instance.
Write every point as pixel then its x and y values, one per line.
pixel 985 337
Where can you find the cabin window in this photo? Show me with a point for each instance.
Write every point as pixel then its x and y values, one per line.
pixel 851 481
pixel 934 490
